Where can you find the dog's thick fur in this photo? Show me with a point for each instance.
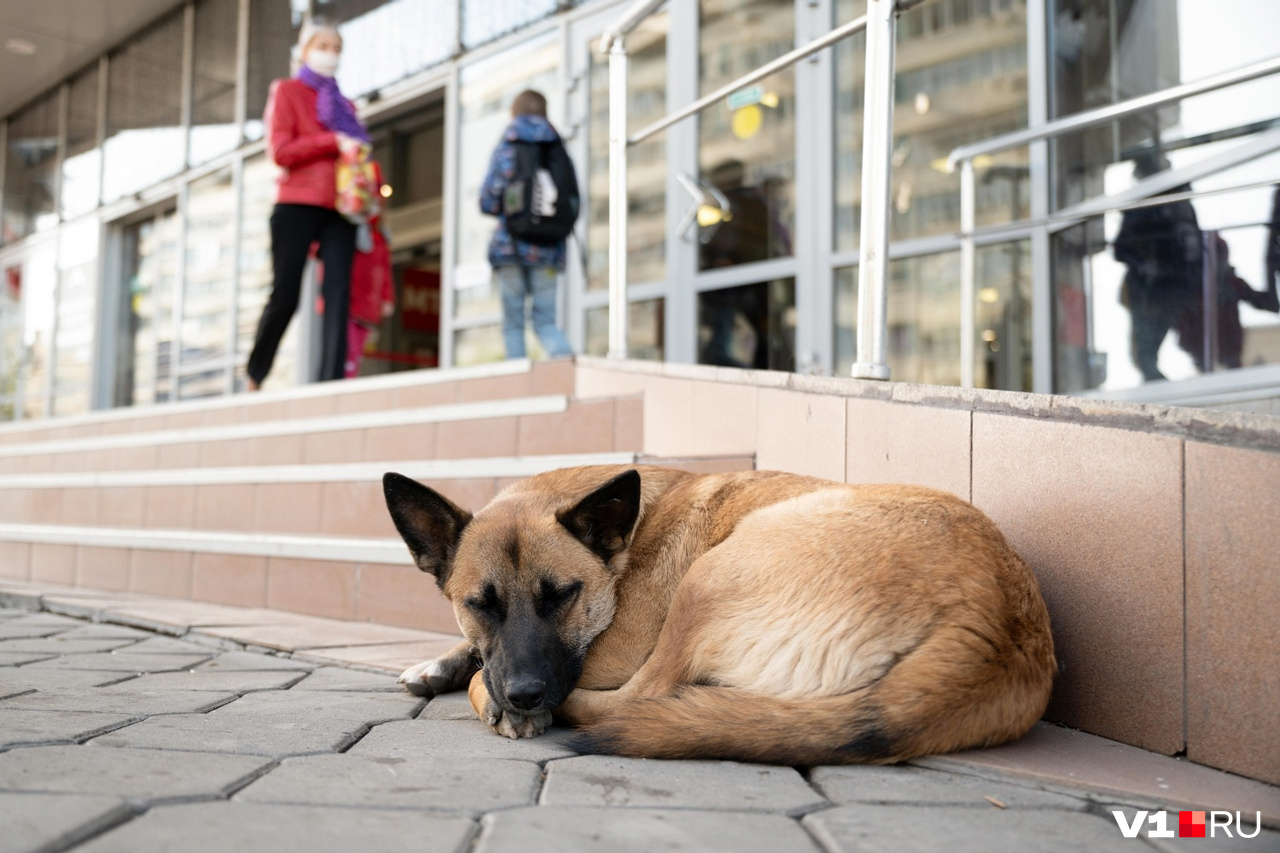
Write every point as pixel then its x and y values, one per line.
pixel 756 616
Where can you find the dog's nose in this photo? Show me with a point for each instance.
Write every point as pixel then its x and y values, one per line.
pixel 525 693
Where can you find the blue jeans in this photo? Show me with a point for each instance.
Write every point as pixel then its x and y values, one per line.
pixel 517 282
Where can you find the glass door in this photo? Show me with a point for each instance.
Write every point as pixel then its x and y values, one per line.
pixel 144 312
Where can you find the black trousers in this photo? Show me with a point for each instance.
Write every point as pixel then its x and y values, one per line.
pixel 294 227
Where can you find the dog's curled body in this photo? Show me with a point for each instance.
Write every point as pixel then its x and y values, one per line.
pixel 756 616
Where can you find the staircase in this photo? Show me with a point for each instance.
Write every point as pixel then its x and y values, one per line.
pixel 276 500
pixel 1149 528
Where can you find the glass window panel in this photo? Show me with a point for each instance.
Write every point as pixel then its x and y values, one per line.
pixel 77 273
pixel 39 285
pixel 213 93
pixel 646 335
pixel 646 162
pixel 145 139
pixel 384 42
pixel 483 344
pixel 82 166
pixel 145 312
pixel 746 149
pixel 751 326
pixel 31 169
pixel 487 90
pixel 961 77
pixel 10 340
pixel 485 20
pixel 273 31
pixel 206 294
pixel 259 194
pixel 924 318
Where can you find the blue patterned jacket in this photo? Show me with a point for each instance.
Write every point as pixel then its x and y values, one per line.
pixel 503 249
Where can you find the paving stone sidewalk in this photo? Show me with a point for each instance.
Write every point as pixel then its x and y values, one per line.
pixel 118 738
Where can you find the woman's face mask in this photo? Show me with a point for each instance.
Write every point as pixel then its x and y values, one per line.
pixel 323 62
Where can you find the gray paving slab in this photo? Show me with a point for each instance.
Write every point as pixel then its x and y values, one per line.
pixel 61 644
pixel 567 829
pixel 237 827
pixel 905 784
pixel 349 680
pixel 20 680
pixel 125 662
pixel 607 780
pixel 449 706
pixel 7 613
pixel 22 658
pixel 958 829
pixel 49 619
pixel 470 786
pixel 276 724
pixel 104 631
pixel 237 661
pixel 460 739
pixel 234 681
pixel 171 646
pixel 142 776
pixel 15 629
pixel 38 822
pixel 121 699
pixel 22 727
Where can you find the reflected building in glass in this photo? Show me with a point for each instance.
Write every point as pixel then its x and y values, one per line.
pixel 136 191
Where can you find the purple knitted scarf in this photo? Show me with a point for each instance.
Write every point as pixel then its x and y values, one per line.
pixel 332 109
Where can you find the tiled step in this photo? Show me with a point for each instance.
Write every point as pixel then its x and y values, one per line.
pixel 527 425
pixel 414 389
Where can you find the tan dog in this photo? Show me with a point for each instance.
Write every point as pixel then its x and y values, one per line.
pixel 756 616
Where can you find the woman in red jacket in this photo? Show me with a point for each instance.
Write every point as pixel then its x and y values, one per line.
pixel 308 123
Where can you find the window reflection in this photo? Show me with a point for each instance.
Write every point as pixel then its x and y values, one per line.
pixel 485 20
pixel 273 30
pixel 82 163
pixel 145 312
pixel 10 339
pixel 646 330
pixel 206 295
pixel 747 145
pixel 145 140
pixel 39 284
pixel 1171 291
pixel 486 93
pixel 213 93
pixel 646 162
pixel 384 42
pixel 30 170
pixel 77 291
pixel 924 318
pixel 961 77
pixel 752 326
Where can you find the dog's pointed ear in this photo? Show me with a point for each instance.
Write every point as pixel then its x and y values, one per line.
pixel 603 519
pixel 429 523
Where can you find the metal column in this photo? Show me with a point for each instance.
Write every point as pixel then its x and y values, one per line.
pixel 618 199
pixel 877 151
pixel 968 271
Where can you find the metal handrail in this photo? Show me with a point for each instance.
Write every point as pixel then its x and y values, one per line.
pixel 964 156
pixel 1103 115
pixel 879 23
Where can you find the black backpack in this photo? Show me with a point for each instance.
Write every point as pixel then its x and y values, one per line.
pixel 541 202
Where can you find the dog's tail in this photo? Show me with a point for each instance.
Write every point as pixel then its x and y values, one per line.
pixel 914 710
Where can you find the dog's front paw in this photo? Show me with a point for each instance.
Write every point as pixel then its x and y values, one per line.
pixel 515 725
pixel 450 671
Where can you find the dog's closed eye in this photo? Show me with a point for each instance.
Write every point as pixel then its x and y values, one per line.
pixel 487 605
pixel 553 597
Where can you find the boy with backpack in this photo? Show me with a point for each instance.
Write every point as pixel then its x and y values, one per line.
pixel 532 188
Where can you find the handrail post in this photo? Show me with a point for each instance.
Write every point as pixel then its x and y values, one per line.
pixel 877 151
pixel 618 199
pixel 968 271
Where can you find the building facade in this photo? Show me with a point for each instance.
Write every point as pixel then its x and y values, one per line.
pixel 135 192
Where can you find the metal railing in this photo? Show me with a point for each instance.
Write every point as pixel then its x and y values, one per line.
pixel 879 24
pixel 964 156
